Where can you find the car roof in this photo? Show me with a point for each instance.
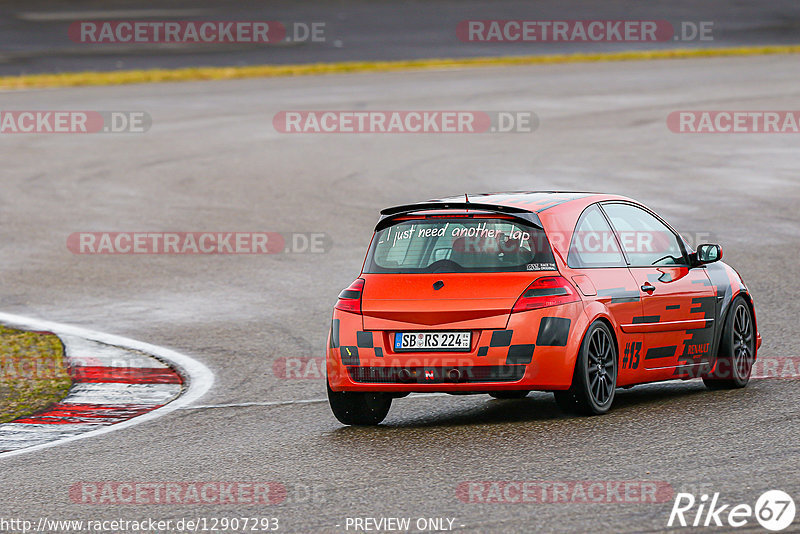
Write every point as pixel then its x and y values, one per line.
pixel 522 204
pixel 532 201
pixel 560 210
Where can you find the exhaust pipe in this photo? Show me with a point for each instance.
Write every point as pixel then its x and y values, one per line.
pixel 454 375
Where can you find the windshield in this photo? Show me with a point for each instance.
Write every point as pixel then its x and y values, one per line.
pixel 459 244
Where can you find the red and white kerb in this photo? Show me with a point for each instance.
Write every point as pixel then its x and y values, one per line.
pixel 110 385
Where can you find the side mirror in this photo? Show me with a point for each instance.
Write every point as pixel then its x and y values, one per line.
pixel 708 253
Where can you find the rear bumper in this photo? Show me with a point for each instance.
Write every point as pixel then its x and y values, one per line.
pixel 536 351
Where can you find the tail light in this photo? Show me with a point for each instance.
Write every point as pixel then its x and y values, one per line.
pixel 350 298
pixel 544 292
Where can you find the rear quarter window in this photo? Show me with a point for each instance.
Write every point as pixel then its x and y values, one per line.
pixel 594 244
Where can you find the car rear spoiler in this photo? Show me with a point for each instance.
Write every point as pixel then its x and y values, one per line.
pixel 389 214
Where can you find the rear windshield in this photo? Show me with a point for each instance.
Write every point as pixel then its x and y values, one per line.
pixel 459 244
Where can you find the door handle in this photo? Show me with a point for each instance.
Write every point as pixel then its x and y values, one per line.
pixel 647 287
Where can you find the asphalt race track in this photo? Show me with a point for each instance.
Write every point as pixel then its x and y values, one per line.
pixel 212 161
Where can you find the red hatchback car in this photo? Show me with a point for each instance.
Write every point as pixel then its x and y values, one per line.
pixel 505 293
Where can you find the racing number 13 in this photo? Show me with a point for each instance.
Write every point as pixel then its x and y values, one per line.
pixel 630 358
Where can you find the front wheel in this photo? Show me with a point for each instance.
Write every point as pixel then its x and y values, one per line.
pixel 595 376
pixel 359 408
pixel 736 350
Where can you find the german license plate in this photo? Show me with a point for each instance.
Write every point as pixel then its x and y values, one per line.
pixel 438 341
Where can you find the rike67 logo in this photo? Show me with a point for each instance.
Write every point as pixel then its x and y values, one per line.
pixel 774 510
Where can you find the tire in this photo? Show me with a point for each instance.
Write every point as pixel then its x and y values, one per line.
pixel 359 408
pixel 510 394
pixel 595 378
pixel 737 349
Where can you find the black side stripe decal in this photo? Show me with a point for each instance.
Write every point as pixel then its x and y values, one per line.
pixel 364 340
pixel 335 334
pixel 641 319
pixel 519 354
pixel 619 294
pixel 349 355
pixel 660 352
pixel 501 338
pixel 553 332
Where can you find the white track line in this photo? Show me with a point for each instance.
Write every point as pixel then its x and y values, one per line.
pixel 248 404
pixel 290 402
pixel 198 378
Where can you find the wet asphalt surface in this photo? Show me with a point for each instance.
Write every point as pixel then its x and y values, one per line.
pixel 212 161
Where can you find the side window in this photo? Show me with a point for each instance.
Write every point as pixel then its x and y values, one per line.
pixel 593 243
pixel 646 240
